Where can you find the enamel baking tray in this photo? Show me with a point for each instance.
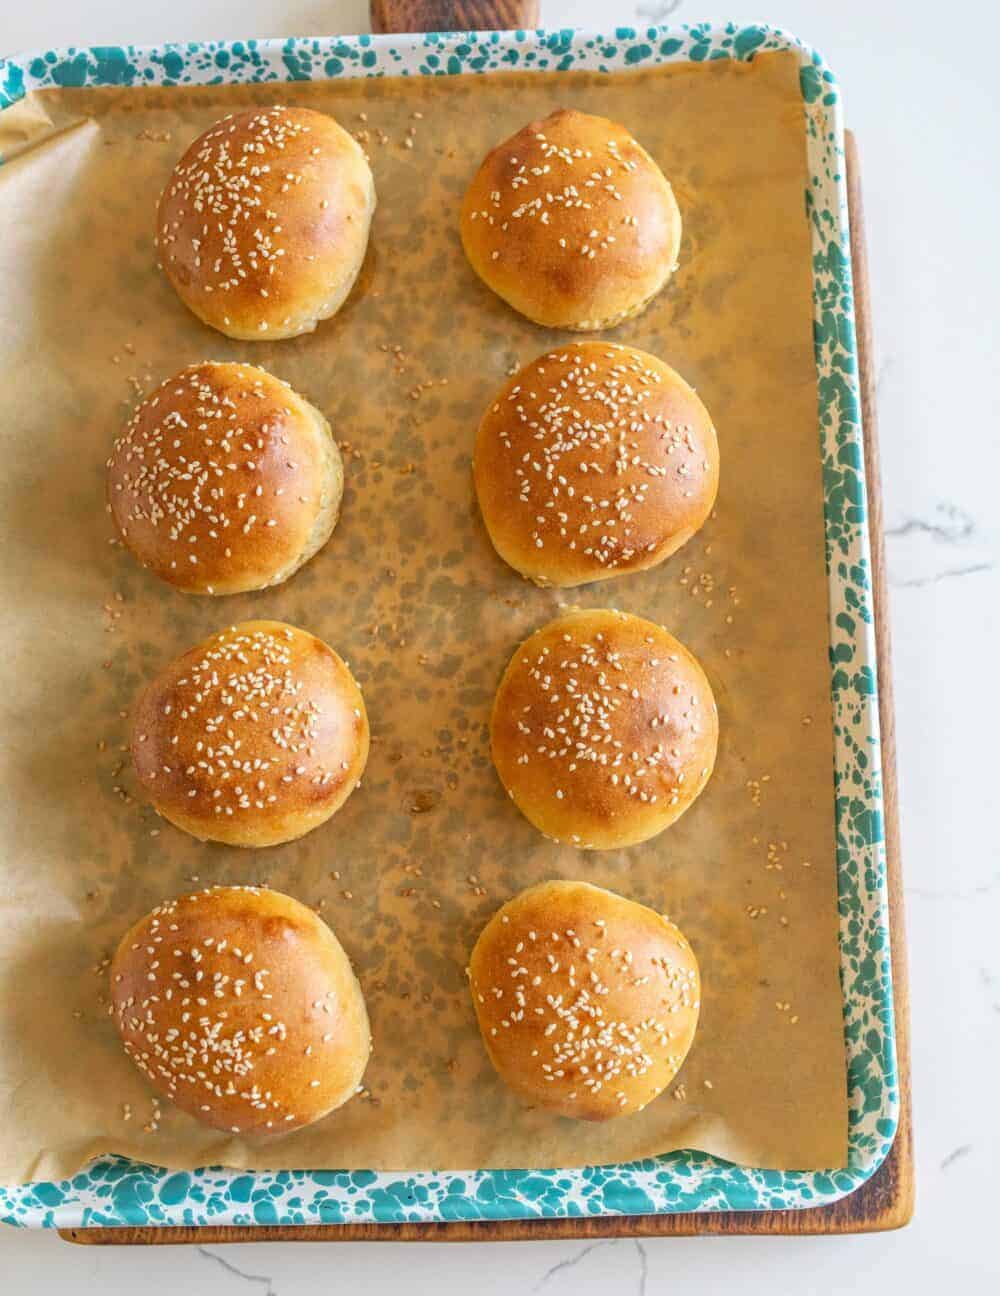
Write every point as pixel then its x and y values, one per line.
pixel 117 1192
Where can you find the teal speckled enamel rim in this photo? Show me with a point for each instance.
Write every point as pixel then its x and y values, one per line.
pixel 114 1191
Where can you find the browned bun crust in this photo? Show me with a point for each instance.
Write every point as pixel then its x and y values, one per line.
pixel 587 1002
pixel 572 223
pixel 594 460
pixel 264 223
pixel 225 480
pixel 240 1005
pixel 604 729
pixel 253 737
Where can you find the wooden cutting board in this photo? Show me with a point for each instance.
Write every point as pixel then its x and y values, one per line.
pixel 886 1200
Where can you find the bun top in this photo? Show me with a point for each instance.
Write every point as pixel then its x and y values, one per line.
pixel 264 222
pixel 571 222
pixel 253 737
pixel 594 460
pixel 587 1002
pixel 220 477
pixel 604 729
pixel 240 1005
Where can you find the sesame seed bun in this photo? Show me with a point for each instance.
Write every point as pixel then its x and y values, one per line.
pixel 240 1005
pixel 263 225
pixel 572 223
pixel 587 1002
pixel 225 480
pixel 593 461
pixel 254 737
pixel 604 729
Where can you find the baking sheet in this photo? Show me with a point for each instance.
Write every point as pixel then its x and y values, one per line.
pixel 410 591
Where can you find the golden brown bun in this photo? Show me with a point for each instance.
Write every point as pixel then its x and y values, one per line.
pixel 572 223
pixel 263 225
pixel 587 1002
pixel 253 737
pixel 594 460
pixel 604 729
pixel 225 480
pixel 240 1005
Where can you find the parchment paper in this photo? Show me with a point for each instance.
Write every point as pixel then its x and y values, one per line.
pixel 410 591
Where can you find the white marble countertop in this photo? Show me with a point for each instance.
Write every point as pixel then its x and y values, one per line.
pixel 920 90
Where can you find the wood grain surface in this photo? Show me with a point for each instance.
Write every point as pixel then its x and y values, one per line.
pixel 453 15
pixel 886 1200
